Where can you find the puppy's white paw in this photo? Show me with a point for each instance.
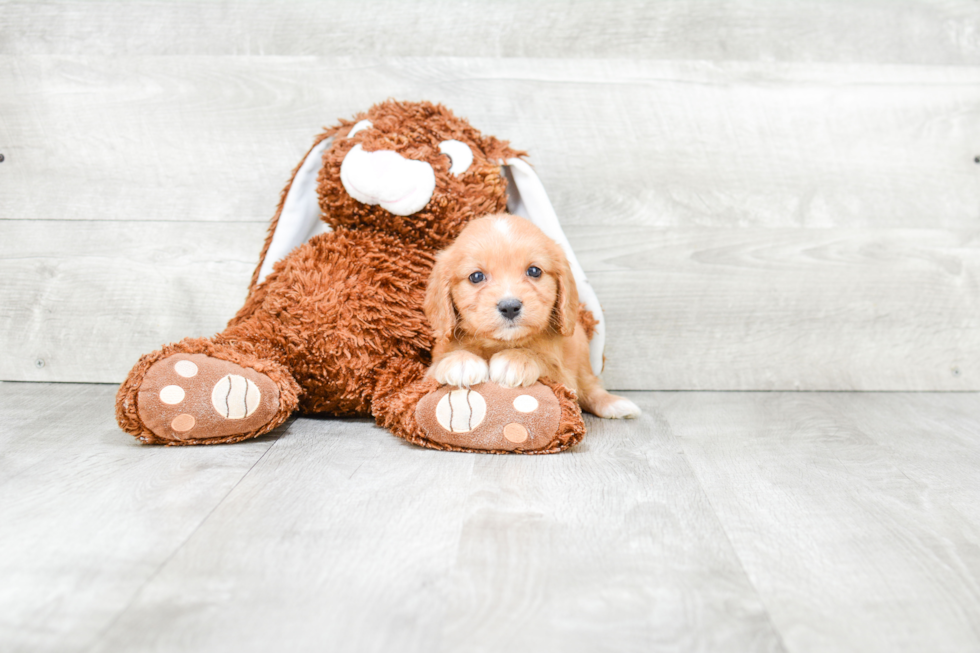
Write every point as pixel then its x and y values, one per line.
pixel 619 409
pixel 461 369
pixel 513 370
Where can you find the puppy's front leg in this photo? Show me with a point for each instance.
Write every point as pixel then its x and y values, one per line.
pixel 460 368
pixel 514 368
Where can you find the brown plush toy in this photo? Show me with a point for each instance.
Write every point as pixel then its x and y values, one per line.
pixel 333 322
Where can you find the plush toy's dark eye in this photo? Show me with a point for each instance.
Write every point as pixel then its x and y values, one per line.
pixel 477 277
pixel 534 272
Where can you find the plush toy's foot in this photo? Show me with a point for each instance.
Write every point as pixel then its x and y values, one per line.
pixel 491 418
pixel 196 399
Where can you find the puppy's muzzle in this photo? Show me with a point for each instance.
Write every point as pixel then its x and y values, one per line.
pixel 510 308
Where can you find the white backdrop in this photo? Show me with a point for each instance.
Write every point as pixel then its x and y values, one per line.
pixel 765 195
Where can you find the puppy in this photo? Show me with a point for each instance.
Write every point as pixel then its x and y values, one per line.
pixel 504 307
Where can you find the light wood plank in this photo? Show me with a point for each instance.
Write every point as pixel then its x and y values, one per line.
pixel 611 548
pixel 341 541
pixel 849 541
pixel 934 437
pixel 83 300
pixel 939 32
pixel 343 538
pixel 728 309
pixel 615 141
pixel 89 515
pixel 795 309
pixel 853 515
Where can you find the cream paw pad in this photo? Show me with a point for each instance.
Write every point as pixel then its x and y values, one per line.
pixel 489 417
pixel 196 397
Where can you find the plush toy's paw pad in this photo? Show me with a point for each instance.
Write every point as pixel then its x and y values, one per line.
pixel 489 417
pixel 194 397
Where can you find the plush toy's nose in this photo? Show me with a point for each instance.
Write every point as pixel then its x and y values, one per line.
pixel 401 186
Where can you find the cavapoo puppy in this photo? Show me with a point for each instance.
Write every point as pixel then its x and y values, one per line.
pixel 503 305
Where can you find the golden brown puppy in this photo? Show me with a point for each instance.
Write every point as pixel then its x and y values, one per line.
pixel 503 294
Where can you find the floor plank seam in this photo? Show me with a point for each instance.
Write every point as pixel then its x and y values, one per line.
pixel 7 480
pixel 728 539
pixel 166 561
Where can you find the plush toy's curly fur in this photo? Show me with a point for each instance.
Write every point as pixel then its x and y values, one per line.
pixel 338 325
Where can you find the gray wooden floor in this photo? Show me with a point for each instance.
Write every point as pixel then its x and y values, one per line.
pixel 716 522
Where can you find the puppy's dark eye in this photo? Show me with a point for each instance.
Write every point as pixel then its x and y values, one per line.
pixel 477 277
pixel 534 272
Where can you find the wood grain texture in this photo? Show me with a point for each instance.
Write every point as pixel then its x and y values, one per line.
pixel 346 539
pixel 792 309
pixel 83 300
pixel 710 144
pixel 938 32
pixel 716 522
pixel 89 515
pixel 791 189
pixel 341 542
pixel 789 309
pixel 612 548
pixel 854 515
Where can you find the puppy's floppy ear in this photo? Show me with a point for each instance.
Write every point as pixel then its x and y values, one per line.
pixel 439 299
pixel 565 313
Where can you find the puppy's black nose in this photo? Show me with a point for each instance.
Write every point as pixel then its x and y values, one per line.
pixel 509 308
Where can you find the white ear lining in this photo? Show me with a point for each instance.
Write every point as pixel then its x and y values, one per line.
pixel 300 217
pixel 527 198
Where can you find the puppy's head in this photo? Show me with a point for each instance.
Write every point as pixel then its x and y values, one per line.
pixel 503 279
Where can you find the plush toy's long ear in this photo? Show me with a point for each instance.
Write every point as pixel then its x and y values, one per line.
pixel 438 304
pixel 527 198
pixel 298 217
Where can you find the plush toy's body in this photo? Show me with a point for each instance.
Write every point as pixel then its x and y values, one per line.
pixel 336 326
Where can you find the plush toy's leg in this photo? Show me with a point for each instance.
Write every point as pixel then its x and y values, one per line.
pixel 486 418
pixel 201 392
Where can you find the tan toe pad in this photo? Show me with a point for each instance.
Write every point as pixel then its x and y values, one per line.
pixel 489 417
pixel 194 396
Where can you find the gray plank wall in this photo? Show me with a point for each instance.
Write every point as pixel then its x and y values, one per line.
pixel 766 195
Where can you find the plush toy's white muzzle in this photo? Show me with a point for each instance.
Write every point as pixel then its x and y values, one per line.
pixel 401 186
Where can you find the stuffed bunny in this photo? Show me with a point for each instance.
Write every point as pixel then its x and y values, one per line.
pixel 333 322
